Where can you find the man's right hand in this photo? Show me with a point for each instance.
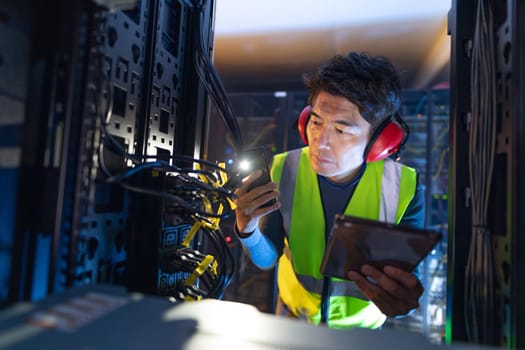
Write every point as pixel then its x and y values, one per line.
pixel 249 210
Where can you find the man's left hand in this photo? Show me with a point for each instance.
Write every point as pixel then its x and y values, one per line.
pixel 394 291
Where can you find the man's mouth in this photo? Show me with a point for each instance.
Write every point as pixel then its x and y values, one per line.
pixel 323 159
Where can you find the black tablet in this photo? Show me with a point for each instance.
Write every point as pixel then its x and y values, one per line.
pixel 354 242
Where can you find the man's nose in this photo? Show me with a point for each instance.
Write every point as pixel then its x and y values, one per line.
pixel 323 138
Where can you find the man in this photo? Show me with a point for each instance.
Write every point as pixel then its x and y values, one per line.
pixel 350 98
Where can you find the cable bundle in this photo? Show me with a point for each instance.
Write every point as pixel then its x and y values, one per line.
pixel 209 275
pixel 213 84
pixel 479 283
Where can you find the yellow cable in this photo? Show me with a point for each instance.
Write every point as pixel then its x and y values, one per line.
pixel 199 270
pixel 194 229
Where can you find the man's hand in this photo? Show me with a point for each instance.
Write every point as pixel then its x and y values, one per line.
pixel 248 210
pixel 394 291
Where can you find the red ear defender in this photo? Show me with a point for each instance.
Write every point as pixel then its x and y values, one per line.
pixel 388 138
pixel 302 121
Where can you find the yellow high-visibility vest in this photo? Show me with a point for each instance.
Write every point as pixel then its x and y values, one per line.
pixel 383 193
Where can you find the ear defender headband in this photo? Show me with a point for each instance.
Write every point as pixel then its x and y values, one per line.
pixel 387 139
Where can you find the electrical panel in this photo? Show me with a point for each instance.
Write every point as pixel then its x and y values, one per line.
pixel 106 108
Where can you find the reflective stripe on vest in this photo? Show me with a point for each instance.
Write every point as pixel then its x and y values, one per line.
pixel 390 191
pixel 287 186
pixel 379 188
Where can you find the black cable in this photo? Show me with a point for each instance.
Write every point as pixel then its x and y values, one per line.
pixel 181 174
pixel 226 262
pixel 479 273
pixel 188 260
pixel 212 82
pixel 177 199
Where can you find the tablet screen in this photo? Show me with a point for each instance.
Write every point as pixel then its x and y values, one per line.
pixel 354 242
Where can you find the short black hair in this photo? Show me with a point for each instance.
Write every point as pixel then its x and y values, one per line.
pixel 372 83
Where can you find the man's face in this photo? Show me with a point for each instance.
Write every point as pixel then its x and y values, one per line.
pixel 337 136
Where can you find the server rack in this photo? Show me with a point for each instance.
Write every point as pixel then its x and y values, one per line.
pixel 484 301
pixel 95 91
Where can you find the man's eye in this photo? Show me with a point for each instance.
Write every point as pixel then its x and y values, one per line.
pixel 347 130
